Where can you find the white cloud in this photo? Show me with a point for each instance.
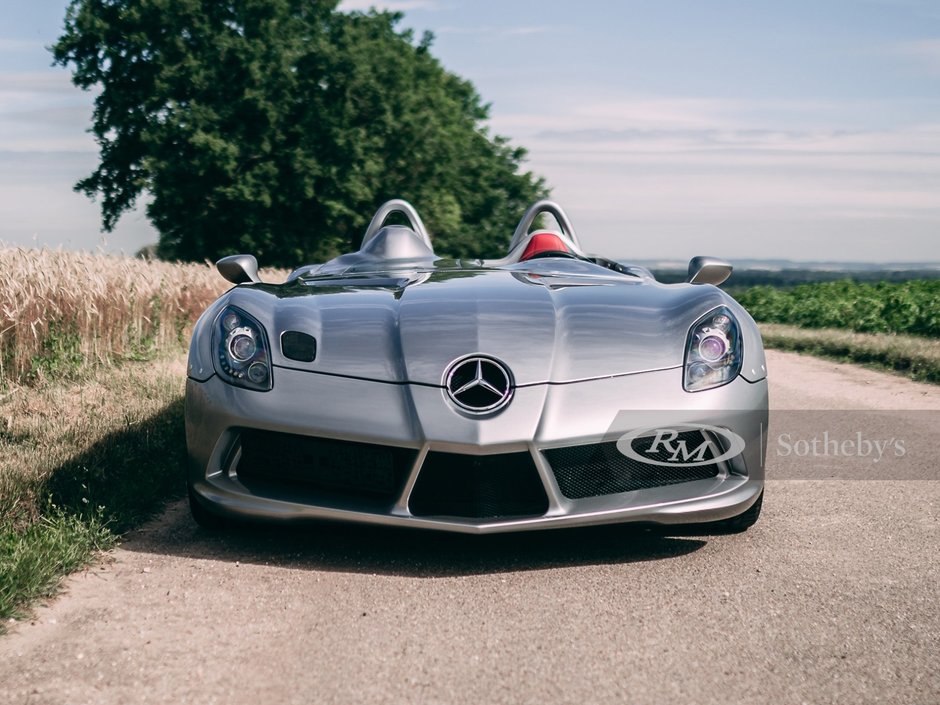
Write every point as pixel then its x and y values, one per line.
pixel 494 31
pixel 571 110
pixel 30 82
pixel 683 168
pixel 70 116
pixel 391 5
pixel 39 208
pixel 925 51
pixel 43 112
pixel 662 126
pixel 525 31
pixel 926 9
pixel 14 45
pixel 917 141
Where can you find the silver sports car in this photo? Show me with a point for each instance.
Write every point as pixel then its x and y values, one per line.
pixel 549 388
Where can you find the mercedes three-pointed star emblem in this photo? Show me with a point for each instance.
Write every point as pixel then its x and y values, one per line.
pixel 478 384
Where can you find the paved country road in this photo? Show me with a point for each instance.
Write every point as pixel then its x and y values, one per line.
pixel 831 598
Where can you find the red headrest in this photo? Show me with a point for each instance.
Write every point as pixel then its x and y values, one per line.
pixel 543 241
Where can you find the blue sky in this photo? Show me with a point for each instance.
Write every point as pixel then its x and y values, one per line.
pixel 667 128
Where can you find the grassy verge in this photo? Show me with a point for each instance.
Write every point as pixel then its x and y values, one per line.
pixel 80 462
pixel 915 357
pixel 91 406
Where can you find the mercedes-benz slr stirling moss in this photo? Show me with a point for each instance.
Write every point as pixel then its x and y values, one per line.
pixel 549 388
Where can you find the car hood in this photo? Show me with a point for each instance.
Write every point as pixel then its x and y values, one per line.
pixel 546 326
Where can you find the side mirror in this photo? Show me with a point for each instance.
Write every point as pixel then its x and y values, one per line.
pixel 708 270
pixel 239 269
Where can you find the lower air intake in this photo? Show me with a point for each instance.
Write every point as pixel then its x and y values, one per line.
pixel 601 469
pixel 478 487
pixel 323 465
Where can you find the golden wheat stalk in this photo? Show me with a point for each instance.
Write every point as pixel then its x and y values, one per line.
pixel 73 308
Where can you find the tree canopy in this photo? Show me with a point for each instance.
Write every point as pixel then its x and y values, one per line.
pixel 278 126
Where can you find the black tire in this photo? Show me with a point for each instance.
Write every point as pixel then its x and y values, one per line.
pixel 742 522
pixel 206 518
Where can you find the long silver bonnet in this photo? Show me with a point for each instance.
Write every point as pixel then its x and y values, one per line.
pixel 549 322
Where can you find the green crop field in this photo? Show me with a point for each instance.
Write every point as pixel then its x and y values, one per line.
pixel 906 308
pixel 889 325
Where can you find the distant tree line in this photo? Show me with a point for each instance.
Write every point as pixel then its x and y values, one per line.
pixel 743 278
pixel 278 126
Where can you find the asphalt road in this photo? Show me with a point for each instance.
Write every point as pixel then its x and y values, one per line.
pixel 831 598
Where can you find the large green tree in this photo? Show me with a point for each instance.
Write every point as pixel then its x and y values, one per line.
pixel 278 126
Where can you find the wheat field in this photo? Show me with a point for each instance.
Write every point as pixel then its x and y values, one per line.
pixel 61 311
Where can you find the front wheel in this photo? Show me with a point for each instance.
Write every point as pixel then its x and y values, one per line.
pixel 742 522
pixel 204 517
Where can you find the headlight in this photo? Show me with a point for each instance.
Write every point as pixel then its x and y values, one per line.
pixel 713 351
pixel 241 349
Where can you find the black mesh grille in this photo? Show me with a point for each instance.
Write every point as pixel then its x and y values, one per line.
pixel 323 464
pixel 478 487
pixel 599 469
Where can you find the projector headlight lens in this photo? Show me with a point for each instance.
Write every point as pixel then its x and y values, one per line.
pixel 241 345
pixel 713 352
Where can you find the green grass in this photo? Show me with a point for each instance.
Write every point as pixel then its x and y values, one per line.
pixel 33 559
pixel 81 461
pixel 914 357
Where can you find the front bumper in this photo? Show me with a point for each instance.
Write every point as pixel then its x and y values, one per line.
pixel 539 419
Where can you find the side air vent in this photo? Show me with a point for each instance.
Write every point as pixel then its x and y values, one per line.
pixel 600 469
pixel 299 346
